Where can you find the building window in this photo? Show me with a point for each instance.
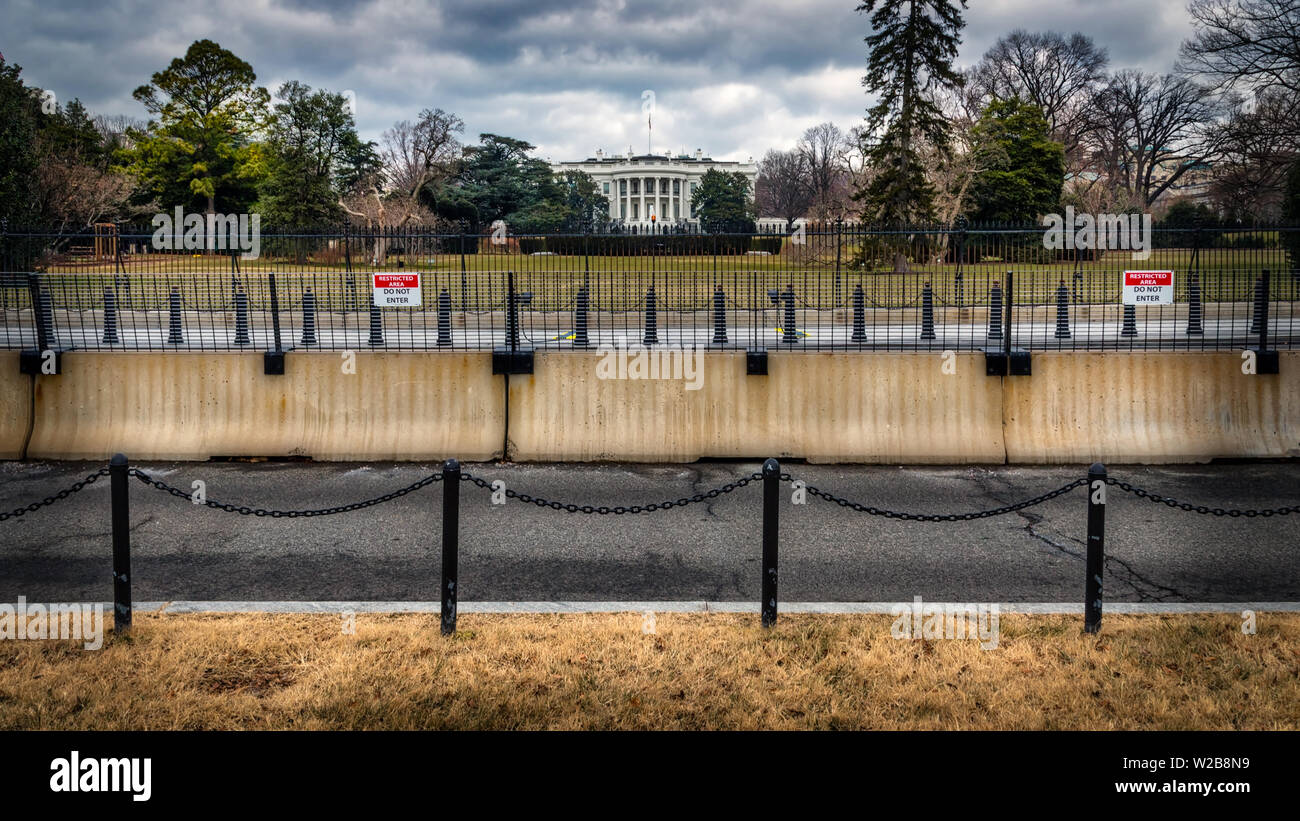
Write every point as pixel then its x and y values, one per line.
pixel 650 185
pixel 607 189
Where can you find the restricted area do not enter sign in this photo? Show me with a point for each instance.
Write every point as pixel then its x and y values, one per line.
pixel 1148 287
pixel 396 290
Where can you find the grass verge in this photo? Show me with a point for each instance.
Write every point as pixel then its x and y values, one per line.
pixel 694 671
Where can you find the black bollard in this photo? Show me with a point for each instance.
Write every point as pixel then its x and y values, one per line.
pixel 581 305
pixel 1257 309
pixel 1062 311
pixel 175 336
pixel 1130 321
pixel 789 333
pixel 719 316
pixel 308 317
pixel 1194 306
pixel 859 315
pixel 376 326
pixel 110 318
pixel 444 318
pixel 651 319
pixel 927 312
pixel 995 312
pixel 241 318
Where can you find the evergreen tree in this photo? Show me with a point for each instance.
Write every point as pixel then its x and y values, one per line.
pixel 1023 169
pixel 722 203
pixel 912 46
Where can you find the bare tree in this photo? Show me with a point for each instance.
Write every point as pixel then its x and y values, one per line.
pixel 1148 131
pixel 1257 146
pixel 783 188
pixel 1249 45
pixel 414 155
pixel 824 149
pixel 1060 75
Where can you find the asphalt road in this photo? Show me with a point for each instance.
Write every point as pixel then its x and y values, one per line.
pixel 704 551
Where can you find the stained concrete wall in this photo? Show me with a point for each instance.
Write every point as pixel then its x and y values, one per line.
pixel 1151 408
pixel 824 407
pixel 15 406
pixel 196 406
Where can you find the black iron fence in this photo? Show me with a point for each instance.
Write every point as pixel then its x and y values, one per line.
pixel 1096 481
pixel 818 287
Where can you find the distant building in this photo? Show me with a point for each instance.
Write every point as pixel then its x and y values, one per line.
pixel 653 189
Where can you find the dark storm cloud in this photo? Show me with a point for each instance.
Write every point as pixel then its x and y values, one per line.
pixel 734 77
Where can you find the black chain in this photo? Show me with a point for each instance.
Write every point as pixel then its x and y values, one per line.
pixel 619 510
pixel 62 494
pixel 942 517
pixel 244 510
pixel 1188 506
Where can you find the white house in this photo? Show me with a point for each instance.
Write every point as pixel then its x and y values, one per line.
pixel 653 189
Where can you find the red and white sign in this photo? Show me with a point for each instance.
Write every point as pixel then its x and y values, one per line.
pixel 396 290
pixel 1148 288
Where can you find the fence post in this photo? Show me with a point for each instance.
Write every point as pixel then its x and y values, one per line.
pixel 241 317
pixel 450 542
pixel 771 508
pixel 121 514
pixel 110 317
pixel 1092 595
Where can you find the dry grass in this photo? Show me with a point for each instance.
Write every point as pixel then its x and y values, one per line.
pixel 695 671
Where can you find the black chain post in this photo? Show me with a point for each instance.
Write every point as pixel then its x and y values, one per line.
pixel 927 312
pixel 241 318
pixel 444 318
pixel 39 316
pixel 110 318
pixel 175 334
pixel 1092 595
pixel 651 336
pixel 1062 311
pixel 121 515
pixel 450 543
pixel 1008 317
pixel 859 315
pixel 275 311
pixel 308 317
pixel 771 518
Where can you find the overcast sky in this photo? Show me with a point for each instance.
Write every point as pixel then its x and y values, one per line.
pixel 733 77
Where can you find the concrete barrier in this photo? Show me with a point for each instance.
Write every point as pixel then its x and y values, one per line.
pixel 15 406
pixel 823 407
pixel 1120 407
pixel 408 406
